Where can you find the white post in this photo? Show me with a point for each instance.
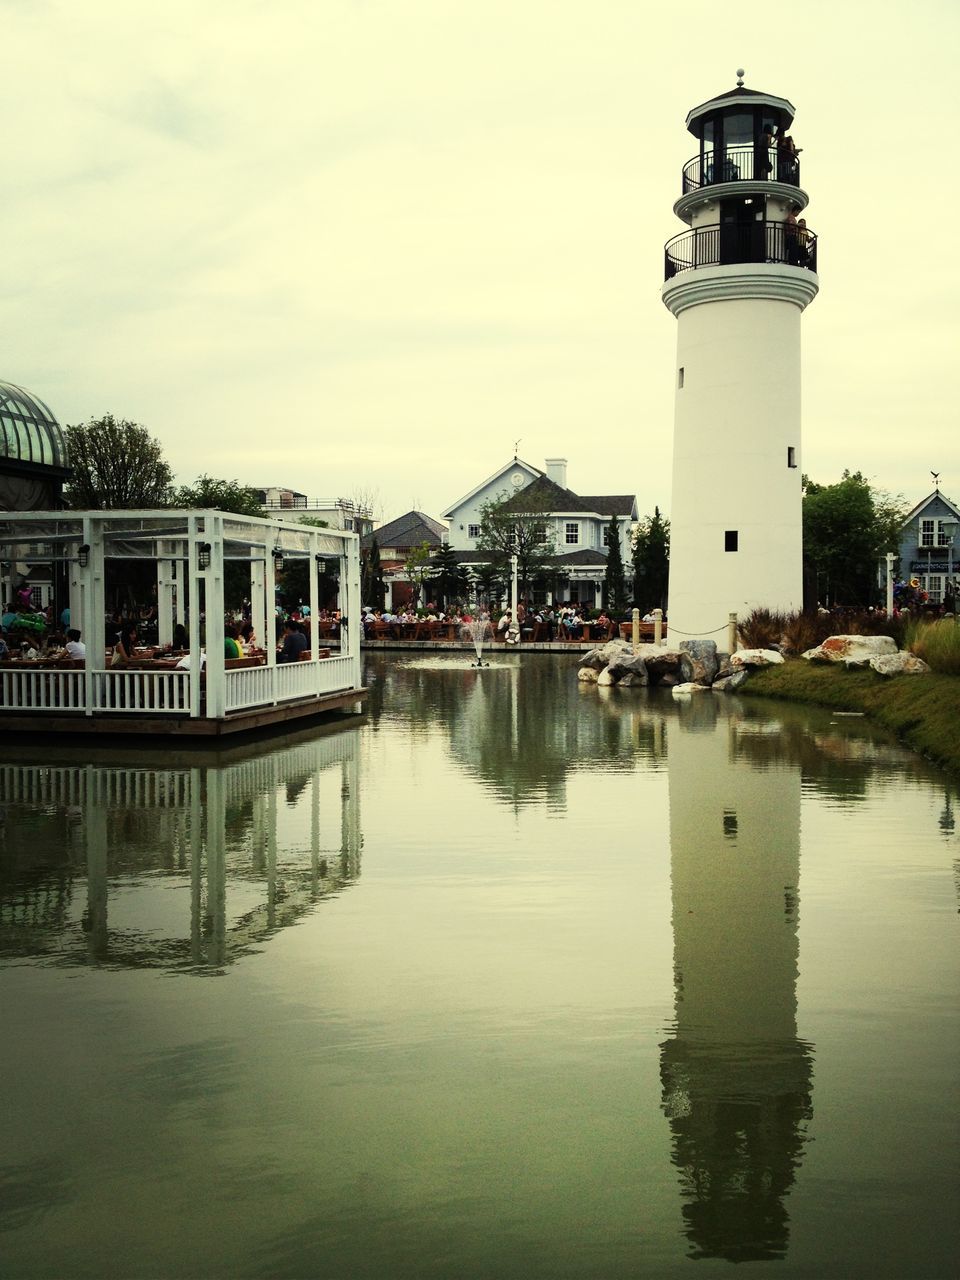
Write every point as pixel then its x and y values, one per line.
pixel 658 627
pixel 269 641
pixel 93 605
pixel 166 587
pixel 635 630
pixel 258 598
pixel 213 613
pixel 890 559
pixel 350 604
pixel 192 580
pixel 314 597
pixel 732 633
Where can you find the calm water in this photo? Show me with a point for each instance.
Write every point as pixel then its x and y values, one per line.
pixel 516 977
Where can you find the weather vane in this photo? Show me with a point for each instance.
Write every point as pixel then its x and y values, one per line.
pixel 516 446
pixel 740 74
pixel 936 480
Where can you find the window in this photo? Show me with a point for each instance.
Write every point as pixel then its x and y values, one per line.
pixel 731 539
pixel 932 584
pixel 680 378
pixel 473 531
pixel 572 533
pixel 926 532
pixel 791 456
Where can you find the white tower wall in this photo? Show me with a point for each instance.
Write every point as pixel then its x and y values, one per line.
pixel 736 417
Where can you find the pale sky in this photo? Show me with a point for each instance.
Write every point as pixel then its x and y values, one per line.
pixel 363 247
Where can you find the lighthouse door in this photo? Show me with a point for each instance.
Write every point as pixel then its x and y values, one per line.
pixel 741 229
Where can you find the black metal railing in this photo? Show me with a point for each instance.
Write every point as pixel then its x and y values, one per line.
pixel 724 244
pixel 742 164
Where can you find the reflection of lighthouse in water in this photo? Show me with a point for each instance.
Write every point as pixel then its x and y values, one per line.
pixel 736 1080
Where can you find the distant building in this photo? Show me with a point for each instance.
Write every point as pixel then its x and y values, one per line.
pixel 395 540
pixel 577 524
pixel 925 550
pixel 33 468
pixel 339 513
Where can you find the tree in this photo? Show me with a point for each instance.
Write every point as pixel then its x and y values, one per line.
pixel 372 587
pixel 448 574
pixel 847 528
pixel 417 568
pixel 487 582
pixel 614 586
pixel 219 495
pixel 117 465
pixel 651 561
pixel 516 525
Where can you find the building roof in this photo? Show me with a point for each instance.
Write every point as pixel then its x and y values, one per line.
pixel 615 504
pixel 746 97
pixel 936 495
pixel 28 430
pixel 409 530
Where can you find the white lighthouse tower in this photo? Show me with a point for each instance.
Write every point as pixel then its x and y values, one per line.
pixel 737 282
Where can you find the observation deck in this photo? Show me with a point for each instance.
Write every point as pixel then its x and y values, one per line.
pixel 751 163
pixel 727 244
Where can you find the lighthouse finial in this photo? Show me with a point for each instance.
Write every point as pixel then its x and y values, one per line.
pixel 740 74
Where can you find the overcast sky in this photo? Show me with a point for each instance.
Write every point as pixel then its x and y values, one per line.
pixel 364 247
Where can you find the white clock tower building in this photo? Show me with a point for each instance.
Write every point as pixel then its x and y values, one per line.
pixel 737 281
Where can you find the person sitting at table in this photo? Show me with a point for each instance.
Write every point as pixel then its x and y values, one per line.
pixel 602 623
pixel 4 651
pixel 294 643
pixel 185 664
pixel 54 646
pixel 231 642
pixel 248 638
pixel 75 646
pixel 123 649
pixel 9 616
pixel 181 640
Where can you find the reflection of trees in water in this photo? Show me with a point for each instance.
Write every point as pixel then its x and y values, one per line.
pixel 206 828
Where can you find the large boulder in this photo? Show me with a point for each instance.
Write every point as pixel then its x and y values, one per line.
pixel 593 658
pixel 899 664
pixel 729 684
pixel 698 661
pixel 629 664
pixel 854 651
pixel 606 677
pixel 688 689
pixel 588 675
pixel 743 659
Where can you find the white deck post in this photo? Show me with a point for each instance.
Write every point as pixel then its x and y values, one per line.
pixel 213 611
pixel 314 598
pixel 93 608
pixel 270 594
pixel 193 592
pixel 258 597
pixel 350 597
pixel 166 590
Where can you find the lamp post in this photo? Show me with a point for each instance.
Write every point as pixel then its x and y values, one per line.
pixel 890 559
pixel 950 527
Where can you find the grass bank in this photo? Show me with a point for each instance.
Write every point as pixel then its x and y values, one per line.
pixel 923 711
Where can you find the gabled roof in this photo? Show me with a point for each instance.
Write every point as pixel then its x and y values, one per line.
pixel 408 530
pixel 507 466
pixel 912 515
pixel 544 495
pixel 611 504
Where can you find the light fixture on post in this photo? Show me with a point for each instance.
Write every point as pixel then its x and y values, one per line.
pixel 278 559
pixel 950 527
pixel 83 555
pixel 203 555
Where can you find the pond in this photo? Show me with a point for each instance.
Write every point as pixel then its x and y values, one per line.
pixel 512 977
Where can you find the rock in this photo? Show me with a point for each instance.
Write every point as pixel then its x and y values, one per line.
pixel 593 659
pixel 632 678
pixel 698 661
pixel 855 651
pixel 899 664
pixel 669 679
pixel 660 664
pixel 633 665
pixel 606 677
pixel 690 688
pixel 588 675
pixel 729 684
pixel 745 658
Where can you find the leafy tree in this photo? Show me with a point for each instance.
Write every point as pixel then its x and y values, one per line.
pixel 417 568
pixel 651 561
pixel 517 525
pixel 847 528
pixel 487 581
pixel 372 587
pixel 614 585
pixel 448 574
pixel 219 495
pixel 117 465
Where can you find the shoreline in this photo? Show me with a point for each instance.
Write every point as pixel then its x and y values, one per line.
pixel 922 711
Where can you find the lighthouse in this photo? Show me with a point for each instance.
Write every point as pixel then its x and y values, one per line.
pixel 737 280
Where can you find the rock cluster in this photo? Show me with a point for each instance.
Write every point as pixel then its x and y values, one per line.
pixel 696 665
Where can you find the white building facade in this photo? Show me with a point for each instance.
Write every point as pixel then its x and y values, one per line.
pixel 737 282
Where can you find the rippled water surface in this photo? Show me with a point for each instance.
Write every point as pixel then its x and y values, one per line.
pixel 513 977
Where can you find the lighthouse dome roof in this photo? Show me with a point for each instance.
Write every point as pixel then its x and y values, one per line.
pixel 741 97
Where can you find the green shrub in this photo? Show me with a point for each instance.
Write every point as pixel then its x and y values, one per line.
pixel 761 629
pixel 937 643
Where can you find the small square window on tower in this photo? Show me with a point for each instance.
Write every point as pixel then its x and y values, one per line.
pixel 680 378
pixel 731 539
pixel 791 456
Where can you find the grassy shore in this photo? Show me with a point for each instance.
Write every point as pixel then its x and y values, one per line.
pixel 923 711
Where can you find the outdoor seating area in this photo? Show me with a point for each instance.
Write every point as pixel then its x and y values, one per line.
pixel 199 675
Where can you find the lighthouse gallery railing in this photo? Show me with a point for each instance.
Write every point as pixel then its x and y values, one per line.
pixel 741 164
pixel 723 244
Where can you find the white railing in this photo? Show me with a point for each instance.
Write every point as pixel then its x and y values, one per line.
pixel 42 690
pixel 135 692
pixel 286 682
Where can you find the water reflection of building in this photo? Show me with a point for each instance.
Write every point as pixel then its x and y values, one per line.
pixel 252 839
pixel 736 1078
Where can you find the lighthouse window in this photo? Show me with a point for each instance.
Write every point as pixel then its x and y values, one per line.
pixel 791 456
pixel 731 539
pixel 680 378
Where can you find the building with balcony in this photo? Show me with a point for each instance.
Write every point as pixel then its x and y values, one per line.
pixel 930 547
pixel 338 513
